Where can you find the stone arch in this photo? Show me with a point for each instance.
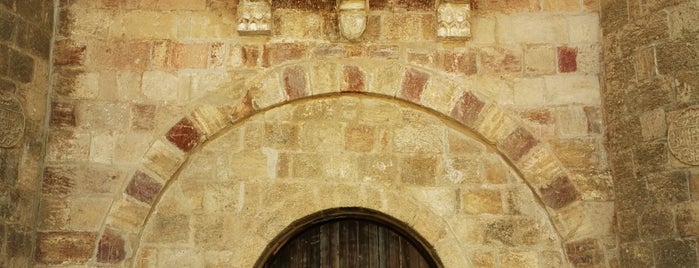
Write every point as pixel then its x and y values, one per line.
pixel 532 158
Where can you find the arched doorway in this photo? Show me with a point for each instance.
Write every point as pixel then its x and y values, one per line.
pixel 349 237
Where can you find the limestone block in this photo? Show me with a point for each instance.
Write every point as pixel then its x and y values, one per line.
pixel 572 89
pixel 298 25
pixel 675 252
pixel 522 259
pixel 167 229
pixel 540 166
pixel 68 146
pixel 501 60
pixel 584 29
pixel 380 168
pixel 419 169
pixel 529 92
pixel 440 95
pixel 478 201
pixel 103 116
pixel 538 28
pixel 142 24
pixel 462 169
pixel 269 92
pixel 589 59
pixel 324 78
pixel 87 214
pixel 359 138
pixel 483 30
pixel 95 22
pixel 494 124
pixel 539 59
pixel 684 19
pixel 130 147
pixel 418 138
pixel 207 25
pixel 584 219
pixel 688 219
pixel 102 147
pixel 126 215
pixel 161 86
pixel 385 80
pixel 163 159
pixel 77 84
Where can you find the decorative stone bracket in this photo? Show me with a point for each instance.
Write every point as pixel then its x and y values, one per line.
pixel 454 21
pixel 352 19
pixel 254 17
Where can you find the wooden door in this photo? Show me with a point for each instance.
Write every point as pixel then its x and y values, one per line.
pixel 350 243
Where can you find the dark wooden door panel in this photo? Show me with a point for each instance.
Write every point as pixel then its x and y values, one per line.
pixel 348 243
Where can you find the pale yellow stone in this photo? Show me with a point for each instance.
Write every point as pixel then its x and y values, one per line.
pixel 163 158
pixel 538 28
pixel 92 22
pixel 127 216
pixel 299 25
pixel 141 24
pixel 483 30
pixel 100 116
pixel 85 86
pixel 268 92
pixel 589 59
pixel 160 86
pixel 495 88
pixel 385 80
pixel 102 147
pixel 523 259
pixel 128 85
pixel 653 125
pixel 540 166
pixel 572 89
pixel 208 25
pixel 478 201
pixel 494 124
pixel 440 95
pixel 324 78
pixel 209 120
pixel 130 147
pixel 585 219
pixel 540 59
pixel 571 122
pixel 419 138
pixel 441 200
pixel 86 214
pixel 684 18
pixel 529 92
pixel 584 29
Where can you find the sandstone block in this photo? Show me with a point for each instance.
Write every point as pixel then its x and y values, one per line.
pixel 418 169
pixel 559 193
pixel 482 201
pixel 161 86
pixel 353 79
pixel 144 24
pixel 483 30
pixel 324 78
pixel 497 60
pixel 675 252
pixel 143 187
pixel 131 55
pixel 65 247
pixel 274 54
pixel 86 214
pixel 538 28
pixel 184 135
pixel 572 89
pixel 69 53
pixel 517 144
pixel 467 109
pixel 295 82
pixel 668 187
pixel 378 168
pixel 68 146
pixel 111 248
pixel 529 91
pixel 414 82
pixel 126 215
pixel 638 254
pixel 567 59
pixel 163 159
pixel 173 4
pixel 584 29
pixel 359 138
pixel 585 252
pixel 687 217
pixel 167 229
pixel 656 222
pixel 539 59
pixel 524 259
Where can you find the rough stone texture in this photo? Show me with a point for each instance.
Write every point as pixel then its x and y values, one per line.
pixel 645 54
pixel 146 85
pixel 64 247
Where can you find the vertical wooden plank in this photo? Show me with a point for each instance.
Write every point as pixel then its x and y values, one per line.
pixel 393 249
pixel 325 256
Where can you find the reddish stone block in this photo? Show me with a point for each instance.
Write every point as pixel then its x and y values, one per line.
pixel 419 58
pixel 64 247
pixel 336 51
pixel 295 82
pixel 414 83
pixel 69 53
pixel 584 253
pixel 143 187
pixel 56 183
pixel 559 193
pixel 191 56
pixel 62 115
pixel 539 116
pixel 459 62
pixel 274 54
pixel 184 135
pixel 142 117
pixel 353 79
pixel 517 144
pixel 243 109
pixel 122 55
pixel 467 109
pixel 111 248
pixel 567 59
pixel 500 60
pixel 250 55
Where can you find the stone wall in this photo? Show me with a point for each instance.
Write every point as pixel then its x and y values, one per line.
pixel 141 87
pixel 25 39
pixel 651 59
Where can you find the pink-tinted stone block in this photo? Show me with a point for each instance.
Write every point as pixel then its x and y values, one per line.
pixel 111 248
pixel 184 135
pixel 467 109
pixel 353 79
pixel 517 144
pixel 559 193
pixel 567 59
pixel 143 187
pixel 295 82
pixel 414 83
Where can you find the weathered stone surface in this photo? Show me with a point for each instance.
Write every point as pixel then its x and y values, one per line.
pixel 510 232
pixel 64 247
pixel 567 59
pixel 111 248
pixel 467 109
pixel 418 170
pixel 359 138
pixel 500 60
pixel 675 253
pixel 144 187
pixel 295 84
pixel 656 222
pixel 638 254
pixel 274 54
pixel 184 135
pixel 517 144
pixel 585 252
pixel 414 83
pixel 62 115
pixel 482 201
pixel 559 193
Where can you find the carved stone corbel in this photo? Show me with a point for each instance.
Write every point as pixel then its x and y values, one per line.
pixel 254 17
pixel 352 19
pixel 454 20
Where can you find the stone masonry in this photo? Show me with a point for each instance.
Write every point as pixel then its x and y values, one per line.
pixel 25 45
pixel 651 58
pixel 167 138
